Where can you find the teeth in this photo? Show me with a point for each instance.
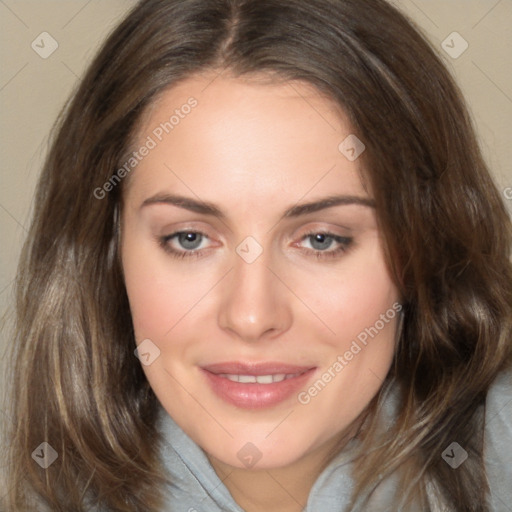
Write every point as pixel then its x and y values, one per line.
pixel 265 379
pixel 244 378
pixel 260 379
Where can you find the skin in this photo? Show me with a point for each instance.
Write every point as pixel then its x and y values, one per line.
pixel 255 150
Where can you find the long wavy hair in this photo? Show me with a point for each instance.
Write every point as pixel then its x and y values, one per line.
pixel 75 382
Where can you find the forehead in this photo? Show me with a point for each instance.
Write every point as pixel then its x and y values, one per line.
pixel 243 136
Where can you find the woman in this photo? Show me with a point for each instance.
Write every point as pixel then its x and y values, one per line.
pixel 267 270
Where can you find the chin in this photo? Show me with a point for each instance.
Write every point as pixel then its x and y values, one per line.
pixel 256 452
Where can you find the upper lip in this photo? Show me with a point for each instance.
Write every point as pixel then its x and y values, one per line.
pixel 266 368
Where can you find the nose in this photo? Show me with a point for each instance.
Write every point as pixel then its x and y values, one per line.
pixel 254 303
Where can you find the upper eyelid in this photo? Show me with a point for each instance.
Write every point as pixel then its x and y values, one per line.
pixel 316 228
pixel 338 239
pixel 307 233
pixel 175 234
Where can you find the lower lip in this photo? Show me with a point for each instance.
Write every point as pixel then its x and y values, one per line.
pixel 254 395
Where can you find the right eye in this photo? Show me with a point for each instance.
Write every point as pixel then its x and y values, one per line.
pixel 183 244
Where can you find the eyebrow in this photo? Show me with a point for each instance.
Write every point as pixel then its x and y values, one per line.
pixel 207 208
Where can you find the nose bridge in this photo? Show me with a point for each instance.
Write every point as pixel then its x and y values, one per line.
pixel 254 303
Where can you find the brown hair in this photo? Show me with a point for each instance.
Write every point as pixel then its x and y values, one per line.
pixel 76 382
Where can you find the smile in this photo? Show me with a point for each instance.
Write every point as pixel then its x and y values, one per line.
pixel 256 386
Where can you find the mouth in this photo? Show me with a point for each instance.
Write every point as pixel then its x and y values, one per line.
pixel 256 385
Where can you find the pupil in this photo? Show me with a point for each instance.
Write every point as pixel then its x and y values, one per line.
pixel 190 240
pixel 321 241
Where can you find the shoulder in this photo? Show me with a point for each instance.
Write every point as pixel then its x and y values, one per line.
pixel 498 440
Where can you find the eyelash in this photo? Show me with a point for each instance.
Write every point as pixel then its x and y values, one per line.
pixel 344 244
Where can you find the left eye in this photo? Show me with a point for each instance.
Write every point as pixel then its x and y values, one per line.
pixel 321 242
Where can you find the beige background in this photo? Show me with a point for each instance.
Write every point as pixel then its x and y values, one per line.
pixel 33 90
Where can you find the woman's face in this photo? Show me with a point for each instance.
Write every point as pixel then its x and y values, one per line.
pixel 228 273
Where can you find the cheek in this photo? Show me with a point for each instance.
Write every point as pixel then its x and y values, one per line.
pixel 358 305
pixel 352 297
pixel 150 305
pixel 158 297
